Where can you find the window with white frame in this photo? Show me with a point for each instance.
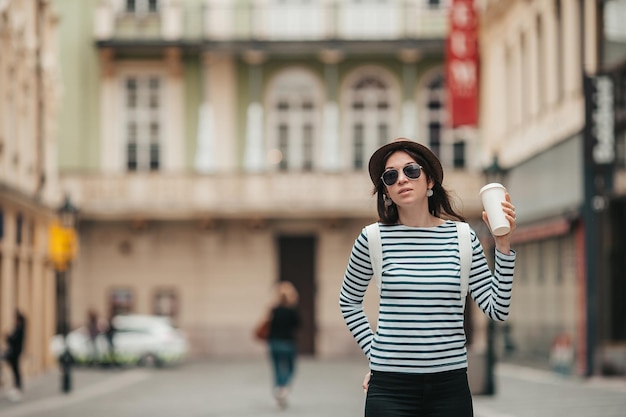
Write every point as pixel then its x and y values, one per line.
pixel 165 303
pixel 141 7
pixel 294 121
pixel 370 114
pixel 370 19
pixel 121 300
pixel 143 129
pixel 451 153
pixel 435 112
pixel 292 19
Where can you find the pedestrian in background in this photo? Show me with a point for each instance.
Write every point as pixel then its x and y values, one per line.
pixel 417 356
pixel 562 354
pixel 284 321
pixel 93 328
pixel 15 346
pixel 110 336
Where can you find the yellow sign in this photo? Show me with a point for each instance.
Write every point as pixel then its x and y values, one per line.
pixel 61 245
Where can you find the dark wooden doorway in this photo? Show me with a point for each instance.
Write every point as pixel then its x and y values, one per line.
pixel 297 264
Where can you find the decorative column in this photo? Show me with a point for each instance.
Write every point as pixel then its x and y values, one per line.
pixel 111 159
pixel 171 20
pixel 7 281
pixel 205 143
pixel 38 334
pixel 173 150
pixel 409 57
pixel 254 160
pixel 330 152
pixel 104 27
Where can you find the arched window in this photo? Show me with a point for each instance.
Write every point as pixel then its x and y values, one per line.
pixel 371 109
pixel 294 121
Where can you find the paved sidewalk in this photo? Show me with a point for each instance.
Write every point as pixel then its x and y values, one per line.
pixel 207 389
pixel 321 389
pixel 529 392
pixel 44 392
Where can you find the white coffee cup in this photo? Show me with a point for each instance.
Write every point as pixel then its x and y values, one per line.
pixel 492 196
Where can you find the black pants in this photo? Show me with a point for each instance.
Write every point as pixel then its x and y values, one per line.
pixel 14 363
pixel 444 394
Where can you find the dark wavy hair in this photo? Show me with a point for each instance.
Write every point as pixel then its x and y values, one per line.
pixel 439 204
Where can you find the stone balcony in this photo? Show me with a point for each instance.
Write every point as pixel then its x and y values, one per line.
pixel 217 20
pixel 232 195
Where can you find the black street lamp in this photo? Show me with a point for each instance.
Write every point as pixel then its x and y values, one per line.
pixel 68 214
pixel 62 251
pixel 493 173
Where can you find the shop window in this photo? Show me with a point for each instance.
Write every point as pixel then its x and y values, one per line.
pixel 520 269
pixel 541 261
pixel 121 301
pixel 165 303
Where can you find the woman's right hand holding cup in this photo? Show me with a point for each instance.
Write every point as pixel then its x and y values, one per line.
pixel 499 215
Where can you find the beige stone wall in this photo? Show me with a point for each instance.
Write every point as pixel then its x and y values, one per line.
pixel 532 101
pixel 533 98
pixel 223 276
pixel 28 177
pixel 546 295
pixel 27 284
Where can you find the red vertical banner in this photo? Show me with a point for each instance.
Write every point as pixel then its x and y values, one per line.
pixel 462 64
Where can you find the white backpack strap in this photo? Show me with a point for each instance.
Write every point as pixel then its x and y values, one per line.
pixel 376 252
pixel 465 251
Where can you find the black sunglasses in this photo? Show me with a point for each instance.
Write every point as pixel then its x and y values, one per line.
pixel 411 171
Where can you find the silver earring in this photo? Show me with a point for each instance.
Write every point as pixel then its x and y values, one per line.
pixel 429 193
pixel 388 201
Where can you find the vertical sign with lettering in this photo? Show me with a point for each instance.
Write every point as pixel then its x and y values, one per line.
pixel 599 150
pixel 600 123
pixel 462 64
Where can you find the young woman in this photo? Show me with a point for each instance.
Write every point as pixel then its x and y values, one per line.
pixel 284 321
pixel 417 356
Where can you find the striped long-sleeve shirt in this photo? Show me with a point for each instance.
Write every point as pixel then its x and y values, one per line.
pixel 420 318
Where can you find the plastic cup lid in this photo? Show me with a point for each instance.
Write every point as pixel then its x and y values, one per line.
pixel 490 186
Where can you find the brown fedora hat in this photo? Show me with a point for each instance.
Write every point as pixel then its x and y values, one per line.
pixel 378 159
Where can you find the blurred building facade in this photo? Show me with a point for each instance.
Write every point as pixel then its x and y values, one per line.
pixel 551 104
pixel 215 147
pixel 29 97
pixel 611 327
